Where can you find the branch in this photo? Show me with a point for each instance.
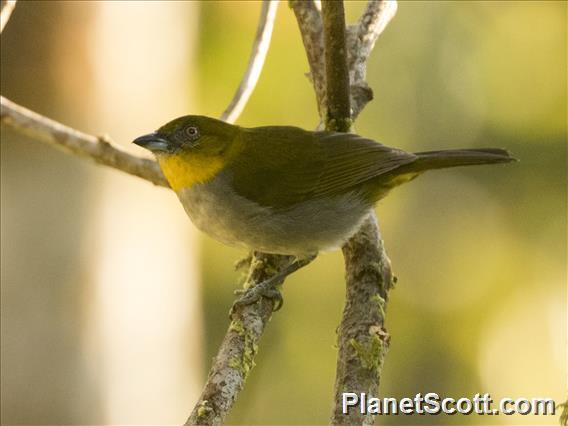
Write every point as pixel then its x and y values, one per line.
pixel 6 13
pixel 256 62
pixel 360 42
pixel 338 116
pixel 362 339
pixel 71 141
pixel 311 29
pixel 100 149
pixel 372 23
pixel 236 355
pixel 361 39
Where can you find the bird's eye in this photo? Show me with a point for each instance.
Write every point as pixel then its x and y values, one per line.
pixel 192 132
pixel 187 135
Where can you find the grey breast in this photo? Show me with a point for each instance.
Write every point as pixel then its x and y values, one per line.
pixel 306 228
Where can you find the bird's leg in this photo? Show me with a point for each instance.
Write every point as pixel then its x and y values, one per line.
pixel 244 262
pixel 242 266
pixel 269 288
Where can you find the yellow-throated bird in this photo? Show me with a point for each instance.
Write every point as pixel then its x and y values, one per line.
pixel 286 190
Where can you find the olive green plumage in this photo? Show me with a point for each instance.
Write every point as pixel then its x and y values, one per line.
pixel 283 166
pixel 283 189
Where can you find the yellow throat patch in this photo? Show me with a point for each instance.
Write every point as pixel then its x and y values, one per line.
pixel 184 171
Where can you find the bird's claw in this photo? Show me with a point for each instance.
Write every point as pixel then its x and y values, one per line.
pixel 269 288
pixel 253 294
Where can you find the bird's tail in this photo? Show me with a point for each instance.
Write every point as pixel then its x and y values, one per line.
pixel 430 160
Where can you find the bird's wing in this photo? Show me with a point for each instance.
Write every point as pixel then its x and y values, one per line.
pixel 279 167
pixel 352 160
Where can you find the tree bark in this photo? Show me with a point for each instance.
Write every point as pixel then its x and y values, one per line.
pixel 362 339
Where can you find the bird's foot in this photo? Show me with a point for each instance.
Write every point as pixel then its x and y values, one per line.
pixel 269 287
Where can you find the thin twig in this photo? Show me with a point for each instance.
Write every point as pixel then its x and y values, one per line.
pixel 71 141
pixel 6 13
pixel 256 61
pixel 361 39
pixel 236 355
pixel 373 22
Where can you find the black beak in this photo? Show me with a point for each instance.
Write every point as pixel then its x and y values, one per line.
pixel 153 142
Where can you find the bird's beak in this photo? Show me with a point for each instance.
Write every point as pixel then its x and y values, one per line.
pixel 153 142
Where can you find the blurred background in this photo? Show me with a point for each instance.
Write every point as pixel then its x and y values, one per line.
pixel 113 304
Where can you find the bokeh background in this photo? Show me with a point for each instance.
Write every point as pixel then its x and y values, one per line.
pixel 113 304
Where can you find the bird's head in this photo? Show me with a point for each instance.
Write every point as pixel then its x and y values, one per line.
pixel 191 149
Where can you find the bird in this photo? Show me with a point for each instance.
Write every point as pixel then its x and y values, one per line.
pixel 285 190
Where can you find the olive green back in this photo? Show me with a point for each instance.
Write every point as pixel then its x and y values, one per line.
pixel 279 167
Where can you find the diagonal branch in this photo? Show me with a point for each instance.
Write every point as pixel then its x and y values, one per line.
pixel 372 23
pixel 74 142
pixel 256 62
pixel 360 42
pixel 6 13
pixel 235 357
pixel 100 149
